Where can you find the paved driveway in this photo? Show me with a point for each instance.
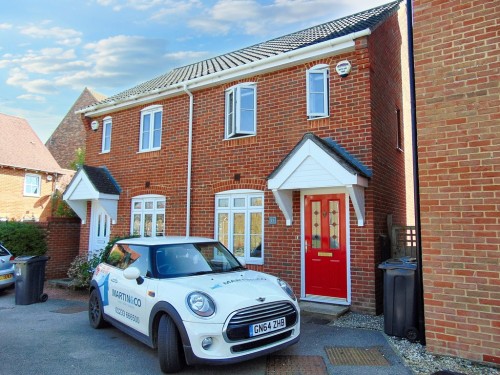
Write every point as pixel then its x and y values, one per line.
pixel 55 338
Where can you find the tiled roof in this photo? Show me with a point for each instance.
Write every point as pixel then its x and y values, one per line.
pixel 102 180
pixel 332 148
pixel 368 19
pixel 20 147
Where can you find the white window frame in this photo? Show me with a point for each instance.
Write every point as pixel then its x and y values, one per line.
pixel 323 70
pixel 142 211
pixel 233 111
pixel 107 123
pixel 150 131
pixel 29 192
pixel 230 210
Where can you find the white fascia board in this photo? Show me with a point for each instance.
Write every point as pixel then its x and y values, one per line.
pixel 339 45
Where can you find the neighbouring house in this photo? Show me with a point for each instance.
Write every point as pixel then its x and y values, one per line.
pixel 29 175
pixel 289 151
pixel 457 66
pixel 69 135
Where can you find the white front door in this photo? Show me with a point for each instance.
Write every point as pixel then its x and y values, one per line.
pixel 99 229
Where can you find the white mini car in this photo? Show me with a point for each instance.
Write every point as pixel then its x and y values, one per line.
pixel 192 300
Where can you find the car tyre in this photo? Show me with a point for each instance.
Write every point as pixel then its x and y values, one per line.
pixel 96 318
pixel 169 352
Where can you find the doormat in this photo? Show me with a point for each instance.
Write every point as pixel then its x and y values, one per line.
pixel 296 365
pixel 341 356
pixel 73 309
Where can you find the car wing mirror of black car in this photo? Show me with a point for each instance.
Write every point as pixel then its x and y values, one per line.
pixel 133 273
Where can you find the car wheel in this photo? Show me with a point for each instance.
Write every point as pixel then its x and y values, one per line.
pixel 95 310
pixel 169 352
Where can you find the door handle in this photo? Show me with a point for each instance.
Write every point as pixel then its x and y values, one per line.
pixel 307 246
pixel 113 280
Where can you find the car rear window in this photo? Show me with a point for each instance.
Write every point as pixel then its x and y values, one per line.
pixel 3 251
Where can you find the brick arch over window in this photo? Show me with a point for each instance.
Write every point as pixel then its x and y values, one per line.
pixel 158 190
pixel 244 183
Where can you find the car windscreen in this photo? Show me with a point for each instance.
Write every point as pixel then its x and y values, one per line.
pixel 193 259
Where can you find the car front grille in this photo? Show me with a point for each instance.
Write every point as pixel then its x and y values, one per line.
pixel 239 325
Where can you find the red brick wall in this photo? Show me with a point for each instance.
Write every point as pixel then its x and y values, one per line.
pixel 388 182
pixel 14 205
pixel 281 123
pixel 457 85
pixel 63 236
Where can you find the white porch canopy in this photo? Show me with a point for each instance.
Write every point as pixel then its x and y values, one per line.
pixel 92 184
pixel 319 163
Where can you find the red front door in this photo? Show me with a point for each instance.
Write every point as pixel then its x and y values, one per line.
pixel 325 246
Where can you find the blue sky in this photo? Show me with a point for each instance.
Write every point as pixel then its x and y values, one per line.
pixel 51 50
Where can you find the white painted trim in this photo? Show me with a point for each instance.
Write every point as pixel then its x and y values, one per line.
pixel 303 193
pixel 330 47
pixel 284 199
pixel 81 190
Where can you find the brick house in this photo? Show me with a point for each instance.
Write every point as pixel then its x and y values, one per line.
pixel 69 136
pixel 28 173
pixel 289 151
pixel 458 133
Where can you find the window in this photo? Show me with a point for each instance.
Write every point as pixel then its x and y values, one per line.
pixel 32 185
pixel 399 130
pixel 148 216
pixel 124 255
pixel 239 223
pixel 241 111
pixel 151 118
pixel 317 91
pixel 106 134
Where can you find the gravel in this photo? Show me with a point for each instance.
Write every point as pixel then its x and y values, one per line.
pixel 414 354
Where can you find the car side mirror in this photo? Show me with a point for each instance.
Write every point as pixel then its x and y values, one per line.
pixel 133 273
pixel 242 261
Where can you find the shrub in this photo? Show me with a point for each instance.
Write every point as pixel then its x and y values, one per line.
pixel 23 238
pixel 60 207
pixel 82 268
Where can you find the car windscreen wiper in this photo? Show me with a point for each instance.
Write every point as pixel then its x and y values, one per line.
pixel 199 273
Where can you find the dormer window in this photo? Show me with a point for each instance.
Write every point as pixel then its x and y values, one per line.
pixel 317 82
pixel 241 105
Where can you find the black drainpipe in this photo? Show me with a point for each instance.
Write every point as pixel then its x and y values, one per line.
pixel 416 184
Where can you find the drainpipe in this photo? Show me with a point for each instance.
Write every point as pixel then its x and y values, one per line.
pixel 190 147
pixel 416 183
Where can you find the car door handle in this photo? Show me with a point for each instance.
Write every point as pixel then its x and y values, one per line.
pixel 113 280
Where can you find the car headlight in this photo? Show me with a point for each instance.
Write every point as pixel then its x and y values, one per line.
pixel 287 288
pixel 201 304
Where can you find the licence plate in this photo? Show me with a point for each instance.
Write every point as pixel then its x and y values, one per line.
pixel 266 327
pixel 6 277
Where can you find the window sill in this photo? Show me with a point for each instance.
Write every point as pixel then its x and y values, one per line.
pixel 149 150
pixel 310 118
pixel 255 262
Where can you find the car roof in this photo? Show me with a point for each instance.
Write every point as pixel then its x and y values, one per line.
pixel 166 240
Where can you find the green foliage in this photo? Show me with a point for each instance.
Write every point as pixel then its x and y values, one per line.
pixel 79 159
pixel 23 238
pixel 60 207
pixel 82 268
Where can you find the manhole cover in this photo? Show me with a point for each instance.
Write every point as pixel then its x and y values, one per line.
pixel 71 309
pixel 295 365
pixel 356 356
